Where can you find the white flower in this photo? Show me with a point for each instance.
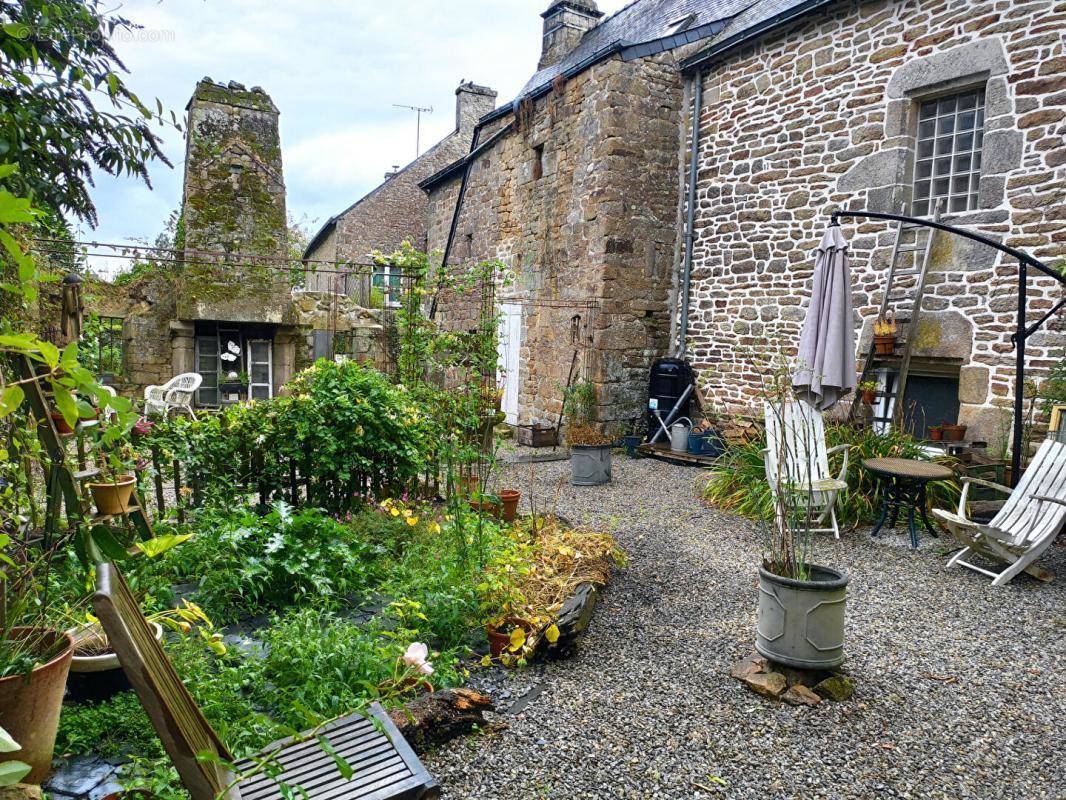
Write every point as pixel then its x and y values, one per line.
pixel 416 655
pixel 425 668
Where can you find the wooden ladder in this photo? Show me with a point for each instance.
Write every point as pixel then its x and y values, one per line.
pixel 71 483
pixel 902 301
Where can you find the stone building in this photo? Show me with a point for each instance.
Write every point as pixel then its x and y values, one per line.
pixel 883 106
pixel 229 305
pixel 395 211
pixel 580 186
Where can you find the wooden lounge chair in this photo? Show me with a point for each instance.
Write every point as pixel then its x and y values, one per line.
pixel 1026 525
pixel 384 764
pixel 795 437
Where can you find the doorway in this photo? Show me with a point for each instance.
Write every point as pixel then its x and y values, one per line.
pixel 508 346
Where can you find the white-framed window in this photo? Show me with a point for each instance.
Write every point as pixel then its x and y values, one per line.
pixel 948 152
pixel 260 369
pixel 388 280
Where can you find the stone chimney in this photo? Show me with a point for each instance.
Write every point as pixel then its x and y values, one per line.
pixel 234 192
pixel 565 22
pixel 472 102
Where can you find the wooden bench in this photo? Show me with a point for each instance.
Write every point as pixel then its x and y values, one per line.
pixel 384 765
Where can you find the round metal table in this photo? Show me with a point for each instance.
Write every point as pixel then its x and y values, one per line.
pixel 903 481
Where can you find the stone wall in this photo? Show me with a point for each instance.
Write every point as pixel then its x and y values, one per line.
pixel 580 203
pixel 821 116
pixel 396 211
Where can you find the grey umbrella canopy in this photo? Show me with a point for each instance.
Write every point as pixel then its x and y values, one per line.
pixel 826 357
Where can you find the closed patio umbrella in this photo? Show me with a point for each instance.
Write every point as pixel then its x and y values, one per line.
pixel 826 356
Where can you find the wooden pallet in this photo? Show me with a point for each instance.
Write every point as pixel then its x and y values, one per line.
pixel 663 452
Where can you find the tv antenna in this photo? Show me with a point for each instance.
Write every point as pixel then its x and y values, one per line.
pixel 419 111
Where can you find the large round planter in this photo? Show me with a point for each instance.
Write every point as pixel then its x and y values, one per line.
pixel 30 705
pixel 113 497
pixel 93 679
pixel 801 623
pixel 590 465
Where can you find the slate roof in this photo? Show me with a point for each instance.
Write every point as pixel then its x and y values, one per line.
pixel 640 22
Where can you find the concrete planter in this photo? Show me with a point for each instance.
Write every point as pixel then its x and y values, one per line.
pixel 95 678
pixel 801 623
pixel 590 465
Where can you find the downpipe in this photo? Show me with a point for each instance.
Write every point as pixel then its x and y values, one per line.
pixel 690 216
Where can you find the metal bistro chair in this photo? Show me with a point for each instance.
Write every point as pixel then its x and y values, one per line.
pixel 386 768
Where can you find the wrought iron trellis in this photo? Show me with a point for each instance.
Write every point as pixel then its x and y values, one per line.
pixel 1022 330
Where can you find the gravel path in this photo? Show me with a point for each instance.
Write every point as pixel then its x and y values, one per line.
pixel 959 685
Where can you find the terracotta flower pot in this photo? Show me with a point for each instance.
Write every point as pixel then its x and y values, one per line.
pixel 954 433
pixel 60 422
pixel 885 345
pixel 936 433
pixel 500 638
pixel 113 497
pixel 869 396
pixel 510 498
pixel 488 507
pixel 30 705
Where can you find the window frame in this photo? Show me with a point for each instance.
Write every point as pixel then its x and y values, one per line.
pixel 944 124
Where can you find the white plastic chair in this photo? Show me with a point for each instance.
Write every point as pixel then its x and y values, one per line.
pixel 1026 525
pixel 176 394
pixel 796 456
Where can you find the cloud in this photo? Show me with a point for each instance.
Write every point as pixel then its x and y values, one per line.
pixel 334 68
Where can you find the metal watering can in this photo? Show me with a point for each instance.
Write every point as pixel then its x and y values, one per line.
pixel 679 435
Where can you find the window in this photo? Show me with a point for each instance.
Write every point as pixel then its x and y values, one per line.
pixel 260 370
pixel 538 162
pixel 387 282
pixel 948 162
pixel 101 346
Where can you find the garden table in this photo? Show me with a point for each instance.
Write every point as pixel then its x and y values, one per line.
pixel 903 481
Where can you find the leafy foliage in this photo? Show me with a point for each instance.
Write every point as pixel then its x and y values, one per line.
pixel 739 482
pixel 58 70
pixel 246 563
pixel 345 428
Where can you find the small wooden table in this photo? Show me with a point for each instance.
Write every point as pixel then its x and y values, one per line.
pixel 903 481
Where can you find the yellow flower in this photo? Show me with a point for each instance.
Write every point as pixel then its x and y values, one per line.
pixel 435 527
pixel 395 512
pixel 412 521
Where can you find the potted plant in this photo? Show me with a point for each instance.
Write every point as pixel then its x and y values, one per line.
pixel 590 448
pixel 34 656
pixel 506 632
pixel 868 390
pixel 234 383
pixel 117 465
pixel 95 673
pixel 953 432
pixel 634 439
pixel 884 336
pixel 801 604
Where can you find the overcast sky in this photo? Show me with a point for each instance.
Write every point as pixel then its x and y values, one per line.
pixel 334 68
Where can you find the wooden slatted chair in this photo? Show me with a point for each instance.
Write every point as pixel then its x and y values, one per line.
pixel 385 766
pixel 796 456
pixel 1026 525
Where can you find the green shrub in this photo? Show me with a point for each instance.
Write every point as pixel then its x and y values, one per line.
pixel 344 427
pixel 739 484
pixel 246 563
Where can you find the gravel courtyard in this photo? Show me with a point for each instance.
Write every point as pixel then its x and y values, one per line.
pixel 959 685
